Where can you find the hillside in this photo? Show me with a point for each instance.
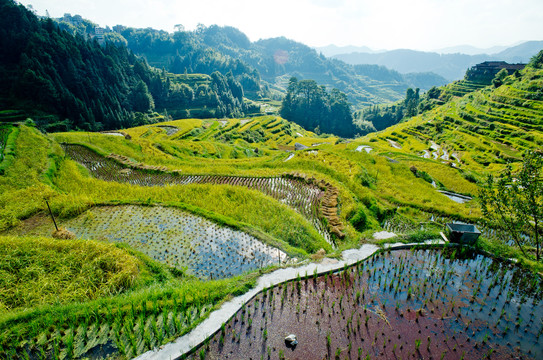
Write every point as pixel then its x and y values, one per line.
pixel 475 134
pixel 450 66
pixel 273 61
pixel 215 203
pixel 67 82
pixel 483 75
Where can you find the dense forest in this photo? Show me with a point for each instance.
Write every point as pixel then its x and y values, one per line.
pixel 315 109
pixel 180 53
pixel 262 67
pixel 66 81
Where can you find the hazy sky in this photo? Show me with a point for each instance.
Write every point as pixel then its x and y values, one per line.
pixel 379 24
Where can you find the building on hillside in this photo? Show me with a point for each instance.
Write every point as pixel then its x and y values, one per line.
pixel 99 35
pixel 498 65
pixel 484 72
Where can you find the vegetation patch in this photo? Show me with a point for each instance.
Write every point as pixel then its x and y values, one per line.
pixel 38 271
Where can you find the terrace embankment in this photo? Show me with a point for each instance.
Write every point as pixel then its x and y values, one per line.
pixel 314 199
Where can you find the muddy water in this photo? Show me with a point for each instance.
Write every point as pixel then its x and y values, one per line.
pixel 422 304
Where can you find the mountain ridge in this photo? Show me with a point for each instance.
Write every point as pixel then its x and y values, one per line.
pixel 231 50
pixel 450 66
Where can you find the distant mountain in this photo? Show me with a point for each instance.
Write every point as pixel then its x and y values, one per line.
pixel 364 85
pixel 521 53
pixel 450 66
pixel 332 50
pixel 470 50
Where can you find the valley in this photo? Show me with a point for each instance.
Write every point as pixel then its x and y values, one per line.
pixel 183 195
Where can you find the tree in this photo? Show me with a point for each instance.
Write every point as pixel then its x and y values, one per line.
pixel 513 203
pixel 499 78
pixel 530 186
pixel 434 93
pixel 411 102
pixel 141 99
pixel 537 60
pixel 312 107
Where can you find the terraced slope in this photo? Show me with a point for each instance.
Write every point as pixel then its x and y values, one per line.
pixel 304 197
pixel 392 180
pixel 478 133
pixel 179 142
pixel 459 89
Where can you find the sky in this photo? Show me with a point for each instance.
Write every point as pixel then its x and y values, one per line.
pixel 379 24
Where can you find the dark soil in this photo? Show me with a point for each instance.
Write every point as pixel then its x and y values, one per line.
pixel 420 305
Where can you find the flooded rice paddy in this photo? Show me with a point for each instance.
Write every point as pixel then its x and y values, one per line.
pixel 448 304
pixel 301 196
pixel 178 238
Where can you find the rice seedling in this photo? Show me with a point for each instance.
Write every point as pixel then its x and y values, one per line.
pixel 222 252
pixel 409 321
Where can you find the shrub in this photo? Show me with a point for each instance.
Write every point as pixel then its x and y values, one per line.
pixel 359 219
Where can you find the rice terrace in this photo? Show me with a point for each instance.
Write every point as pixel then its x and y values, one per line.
pixel 198 195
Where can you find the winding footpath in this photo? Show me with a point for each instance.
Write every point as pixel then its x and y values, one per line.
pixel 212 324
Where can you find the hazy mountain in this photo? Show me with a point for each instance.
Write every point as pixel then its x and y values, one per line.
pixel 450 66
pixel 470 50
pixel 521 53
pixel 332 50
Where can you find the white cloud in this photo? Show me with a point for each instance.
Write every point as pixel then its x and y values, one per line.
pixel 328 3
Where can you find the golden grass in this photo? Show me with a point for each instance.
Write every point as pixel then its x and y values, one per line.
pixel 36 271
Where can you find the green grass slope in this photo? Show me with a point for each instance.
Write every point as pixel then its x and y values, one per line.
pixel 393 183
pixel 42 271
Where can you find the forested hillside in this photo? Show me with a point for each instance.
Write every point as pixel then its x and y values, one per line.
pixel 65 77
pixel 278 59
pixel 65 81
pixel 263 67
